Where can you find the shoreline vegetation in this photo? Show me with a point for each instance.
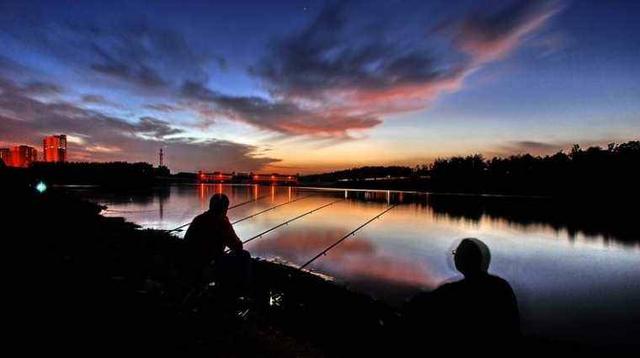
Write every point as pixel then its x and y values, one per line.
pixel 90 283
pixel 600 173
pixel 594 171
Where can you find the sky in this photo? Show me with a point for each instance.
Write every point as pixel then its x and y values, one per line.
pixel 312 86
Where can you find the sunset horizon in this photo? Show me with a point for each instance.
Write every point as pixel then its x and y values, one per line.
pixel 321 178
pixel 319 86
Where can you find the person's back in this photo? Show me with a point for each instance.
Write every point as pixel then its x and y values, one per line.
pixel 480 308
pixel 483 306
pixel 207 237
pixel 205 241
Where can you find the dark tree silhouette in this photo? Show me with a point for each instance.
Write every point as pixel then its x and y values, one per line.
pixel 595 171
pixel 108 174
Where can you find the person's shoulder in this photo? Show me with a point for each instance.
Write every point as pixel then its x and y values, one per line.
pixel 497 279
pixel 447 289
pixel 499 282
pixel 450 284
pixel 199 218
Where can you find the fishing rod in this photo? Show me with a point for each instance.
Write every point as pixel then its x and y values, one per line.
pixel 191 293
pixel 269 209
pixel 129 211
pixel 291 220
pixel 323 252
pixel 231 207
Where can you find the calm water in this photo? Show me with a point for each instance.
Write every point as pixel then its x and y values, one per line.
pixel 569 284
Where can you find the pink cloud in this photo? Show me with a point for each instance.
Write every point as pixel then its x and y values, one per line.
pixel 479 36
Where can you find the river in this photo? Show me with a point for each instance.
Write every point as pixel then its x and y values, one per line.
pixel 571 283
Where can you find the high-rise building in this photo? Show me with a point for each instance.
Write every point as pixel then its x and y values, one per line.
pixel 22 156
pixel 5 156
pixel 55 148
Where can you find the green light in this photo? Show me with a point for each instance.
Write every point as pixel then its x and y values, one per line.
pixel 41 187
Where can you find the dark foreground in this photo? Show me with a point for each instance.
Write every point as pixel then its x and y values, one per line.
pixel 87 284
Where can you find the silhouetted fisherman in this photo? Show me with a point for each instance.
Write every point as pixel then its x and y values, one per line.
pixel 205 241
pixel 481 308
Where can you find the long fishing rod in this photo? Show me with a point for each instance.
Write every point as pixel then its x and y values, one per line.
pixel 231 207
pixel 269 209
pixel 323 252
pixel 290 220
pixel 129 211
pixel 191 293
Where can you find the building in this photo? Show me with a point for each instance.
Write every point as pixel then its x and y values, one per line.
pixel 22 156
pixel 55 148
pixel 272 179
pixel 5 155
pixel 215 177
pixel 247 178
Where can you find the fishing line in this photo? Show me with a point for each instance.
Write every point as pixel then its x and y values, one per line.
pixel 290 220
pixel 231 207
pixel 323 252
pixel 269 209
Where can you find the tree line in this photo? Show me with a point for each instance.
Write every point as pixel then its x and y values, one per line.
pixel 107 174
pixel 594 171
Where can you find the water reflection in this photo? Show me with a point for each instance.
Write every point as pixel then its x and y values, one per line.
pixel 359 260
pixel 571 267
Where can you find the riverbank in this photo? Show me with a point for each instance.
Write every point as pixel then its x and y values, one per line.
pixel 85 281
pixel 88 281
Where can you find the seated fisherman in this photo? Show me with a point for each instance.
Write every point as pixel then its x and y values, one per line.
pixel 205 241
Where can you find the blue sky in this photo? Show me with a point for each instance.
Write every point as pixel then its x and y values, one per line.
pixel 308 86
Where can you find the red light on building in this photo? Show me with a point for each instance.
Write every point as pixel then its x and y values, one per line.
pixel 5 156
pixel 55 148
pixel 22 156
pixel 246 178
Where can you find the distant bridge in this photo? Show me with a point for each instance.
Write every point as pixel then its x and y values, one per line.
pixel 247 178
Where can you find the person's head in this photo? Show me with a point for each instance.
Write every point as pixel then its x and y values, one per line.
pixel 472 257
pixel 219 204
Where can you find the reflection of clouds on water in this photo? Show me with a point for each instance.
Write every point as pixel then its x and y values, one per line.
pixel 354 259
pixel 562 264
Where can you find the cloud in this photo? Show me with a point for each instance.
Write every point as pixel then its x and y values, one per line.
pixel 9 67
pixel 277 115
pixel 42 88
pixel 133 52
pixel 162 107
pixel 95 99
pixel 526 147
pixel 548 148
pixel 491 34
pixel 24 119
pixel 326 59
pixel 138 74
pixel 329 80
pixel 531 146
pixel 146 56
pixel 156 127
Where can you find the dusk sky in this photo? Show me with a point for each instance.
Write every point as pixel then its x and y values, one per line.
pixel 311 86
